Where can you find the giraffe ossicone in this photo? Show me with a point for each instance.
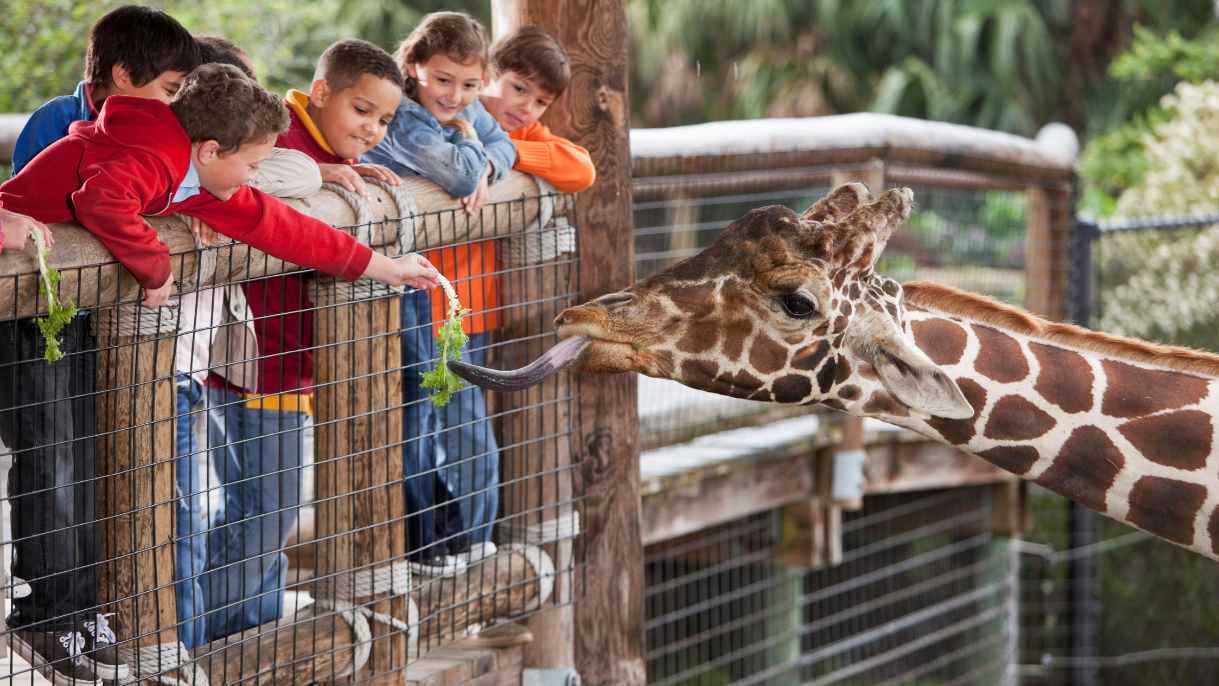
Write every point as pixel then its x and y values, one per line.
pixel 788 308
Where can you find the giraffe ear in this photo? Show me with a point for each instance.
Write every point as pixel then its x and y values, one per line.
pixel 841 202
pixel 916 381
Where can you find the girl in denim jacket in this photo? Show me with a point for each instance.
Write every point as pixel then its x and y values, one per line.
pixel 442 132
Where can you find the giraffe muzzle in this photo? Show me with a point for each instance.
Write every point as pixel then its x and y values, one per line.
pixel 559 356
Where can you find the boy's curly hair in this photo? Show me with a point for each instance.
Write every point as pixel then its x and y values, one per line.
pixel 456 35
pixel 535 55
pixel 145 41
pixel 344 62
pixel 218 102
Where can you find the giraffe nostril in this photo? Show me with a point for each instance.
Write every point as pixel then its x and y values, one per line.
pixel 612 301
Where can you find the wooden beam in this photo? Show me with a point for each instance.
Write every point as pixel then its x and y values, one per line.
pixel 722 495
pixel 92 277
pixel 595 112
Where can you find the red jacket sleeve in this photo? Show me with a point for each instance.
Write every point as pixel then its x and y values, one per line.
pixel 112 196
pixel 255 218
pixel 567 166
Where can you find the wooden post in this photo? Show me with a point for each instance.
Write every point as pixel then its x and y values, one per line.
pixel 595 112
pixel 359 505
pixel 135 494
pixel 1048 217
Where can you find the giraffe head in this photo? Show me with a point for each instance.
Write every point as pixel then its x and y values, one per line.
pixel 783 308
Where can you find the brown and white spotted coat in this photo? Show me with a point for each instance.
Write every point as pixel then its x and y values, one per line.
pixel 786 308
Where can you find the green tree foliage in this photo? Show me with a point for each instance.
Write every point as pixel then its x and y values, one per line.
pixel 1011 65
pixel 45 40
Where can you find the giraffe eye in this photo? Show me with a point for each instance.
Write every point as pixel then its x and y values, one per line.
pixel 797 306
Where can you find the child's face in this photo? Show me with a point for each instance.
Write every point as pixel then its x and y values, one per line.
pixel 445 87
pixel 354 120
pixel 164 87
pixel 222 174
pixel 515 101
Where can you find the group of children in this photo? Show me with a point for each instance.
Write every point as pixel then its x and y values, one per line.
pixel 169 123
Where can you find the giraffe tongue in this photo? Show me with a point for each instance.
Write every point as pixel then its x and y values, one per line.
pixel 559 356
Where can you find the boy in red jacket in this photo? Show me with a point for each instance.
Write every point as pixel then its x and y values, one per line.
pixel 192 157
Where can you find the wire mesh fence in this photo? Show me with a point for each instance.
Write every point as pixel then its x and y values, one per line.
pixel 925 593
pixel 1136 611
pixel 250 486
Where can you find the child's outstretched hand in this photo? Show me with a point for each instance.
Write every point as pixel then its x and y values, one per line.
pixel 17 229
pixel 409 270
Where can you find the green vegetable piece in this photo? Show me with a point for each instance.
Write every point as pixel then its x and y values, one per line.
pixel 450 340
pixel 58 313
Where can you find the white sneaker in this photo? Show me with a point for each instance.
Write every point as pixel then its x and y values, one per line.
pixel 442 565
pixel 477 553
pixel 18 587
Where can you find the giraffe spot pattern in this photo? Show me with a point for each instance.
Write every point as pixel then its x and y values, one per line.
pixel 766 356
pixel 1134 391
pixel 825 377
pixel 1085 468
pixel 736 331
pixel 882 402
pixel 842 370
pixel 867 371
pixel 1065 378
pixel 699 337
pixel 697 300
pixel 999 356
pixel 943 341
pixel 960 431
pixel 835 404
pixel 1213 527
pixel 848 392
pixel 1016 459
pixel 791 388
pixel 810 357
pixel 1179 439
pixel 1166 507
pixel 1016 419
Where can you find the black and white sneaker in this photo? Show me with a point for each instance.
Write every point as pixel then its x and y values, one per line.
pixel 57 655
pixel 439 565
pixel 103 655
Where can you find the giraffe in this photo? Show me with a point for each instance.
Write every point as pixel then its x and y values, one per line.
pixel 788 308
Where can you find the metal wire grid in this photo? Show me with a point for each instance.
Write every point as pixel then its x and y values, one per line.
pixel 924 594
pixel 447 606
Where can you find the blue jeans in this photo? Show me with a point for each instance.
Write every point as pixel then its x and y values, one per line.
pixel 257 455
pixel 469 451
pixel 436 524
pixel 193 520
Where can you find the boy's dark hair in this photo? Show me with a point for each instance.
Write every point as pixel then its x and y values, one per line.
pixel 456 35
pixel 145 41
pixel 343 63
pixel 217 102
pixel 220 50
pixel 534 54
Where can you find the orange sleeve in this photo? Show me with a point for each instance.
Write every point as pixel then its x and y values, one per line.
pixel 567 166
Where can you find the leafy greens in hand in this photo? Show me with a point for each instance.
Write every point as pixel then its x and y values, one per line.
pixel 450 341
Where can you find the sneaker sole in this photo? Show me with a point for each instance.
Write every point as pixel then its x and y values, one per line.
pixel 106 672
pixel 37 662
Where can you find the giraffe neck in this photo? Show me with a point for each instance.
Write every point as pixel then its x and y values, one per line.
pixel 1098 420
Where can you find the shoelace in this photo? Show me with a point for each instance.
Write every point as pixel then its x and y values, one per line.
pixel 74 643
pixel 100 628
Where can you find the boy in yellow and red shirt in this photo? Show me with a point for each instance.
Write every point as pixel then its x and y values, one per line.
pixel 352 99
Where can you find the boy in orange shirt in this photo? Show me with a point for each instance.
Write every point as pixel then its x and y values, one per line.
pixel 530 70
